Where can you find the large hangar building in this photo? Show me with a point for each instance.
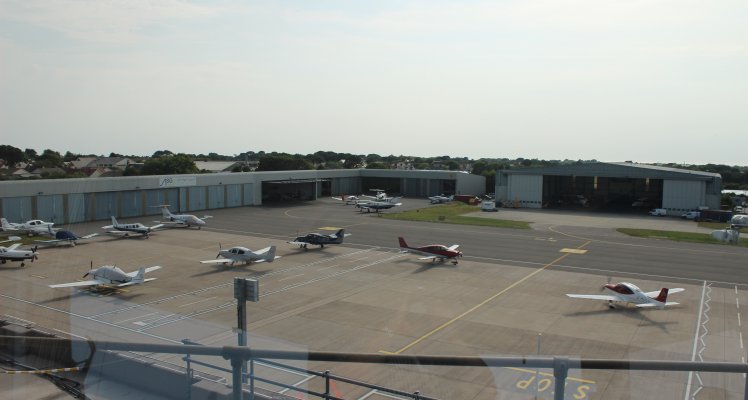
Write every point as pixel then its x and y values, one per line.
pixel 609 187
pixel 65 201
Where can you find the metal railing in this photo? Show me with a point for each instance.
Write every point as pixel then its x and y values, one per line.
pixel 241 355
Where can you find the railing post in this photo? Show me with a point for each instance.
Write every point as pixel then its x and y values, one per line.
pixel 251 379
pixel 236 376
pixel 745 391
pixel 560 372
pixel 327 384
pixel 416 395
pixel 189 372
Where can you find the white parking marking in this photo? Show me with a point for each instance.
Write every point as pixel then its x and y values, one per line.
pixel 695 342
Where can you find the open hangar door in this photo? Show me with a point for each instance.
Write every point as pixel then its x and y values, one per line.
pixel 602 193
pixel 288 191
pixel 389 185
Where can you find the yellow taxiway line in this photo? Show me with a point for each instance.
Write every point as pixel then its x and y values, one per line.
pixel 481 304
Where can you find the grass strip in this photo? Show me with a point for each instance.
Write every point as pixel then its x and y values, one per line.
pixel 692 237
pixel 452 213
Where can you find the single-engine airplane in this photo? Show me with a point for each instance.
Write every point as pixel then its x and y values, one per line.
pixel 243 255
pixel 347 199
pixel 441 199
pixel 368 206
pixel 625 292
pixel 432 252
pixel 318 239
pixel 11 254
pixel 126 229
pixel 112 276
pixel 32 227
pixel 63 237
pixel 187 220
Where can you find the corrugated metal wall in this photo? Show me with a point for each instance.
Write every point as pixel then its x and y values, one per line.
pixel 17 209
pixel 154 198
pixel 216 197
pixel 342 186
pixel 131 204
pixel 249 200
pixel 76 208
pixel 412 187
pixel 233 195
pixel 50 208
pixel 682 196
pixel 527 190
pixel 105 205
pixel 198 199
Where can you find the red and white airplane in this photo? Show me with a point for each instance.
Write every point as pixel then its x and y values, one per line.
pixel 432 252
pixel 625 292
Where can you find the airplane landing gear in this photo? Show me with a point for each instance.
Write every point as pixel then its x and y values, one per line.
pixel 611 305
pixel 23 264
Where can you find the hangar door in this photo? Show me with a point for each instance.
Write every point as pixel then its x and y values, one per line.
pixel 683 195
pixel 525 191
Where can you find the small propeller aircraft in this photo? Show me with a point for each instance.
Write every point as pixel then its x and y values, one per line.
pixel 126 229
pixel 112 276
pixel 318 239
pixel 11 254
pixel 368 206
pixel 432 252
pixel 382 196
pixel 32 227
pixel 63 237
pixel 441 199
pixel 243 255
pixel 625 292
pixel 348 199
pixel 187 220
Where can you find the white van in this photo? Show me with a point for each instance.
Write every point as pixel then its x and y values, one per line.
pixel 660 212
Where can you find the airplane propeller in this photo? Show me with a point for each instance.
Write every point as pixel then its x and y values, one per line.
pixel 34 255
pixel 610 278
pixel 219 250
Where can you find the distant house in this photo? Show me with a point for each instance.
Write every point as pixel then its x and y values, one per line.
pixel 101 166
pixel 224 166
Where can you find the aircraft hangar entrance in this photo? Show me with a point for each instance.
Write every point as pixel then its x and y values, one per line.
pixel 288 190
pixel 390 185
pixel 602 193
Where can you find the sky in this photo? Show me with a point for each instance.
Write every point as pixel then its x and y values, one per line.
pixel 613 80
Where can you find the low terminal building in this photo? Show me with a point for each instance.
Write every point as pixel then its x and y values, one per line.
pixel 65 201
pixel 612 187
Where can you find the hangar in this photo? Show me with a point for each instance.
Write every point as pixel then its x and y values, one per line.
pixel 609 186
pixel 65 201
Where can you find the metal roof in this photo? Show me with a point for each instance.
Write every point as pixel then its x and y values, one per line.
pixel 617 170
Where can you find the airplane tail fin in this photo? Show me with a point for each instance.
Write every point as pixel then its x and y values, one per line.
pixel 402 242
pixel 165 211
pixel 270 255
pixel 5 223
pixel 139 278
pixel 662 297
pixel 114 221
pixel 339 236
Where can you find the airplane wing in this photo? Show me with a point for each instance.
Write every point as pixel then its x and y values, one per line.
pixel 13 246
pixel 217 261
pixel 155 226
pixel 135 283
pixel 74 284
pixel 297 243
pixel 108 227
pixel 646 305
pixel 594 297
pixel 67 240
pixel 669 292
pixel 147 270
pixel 453 247
pixel 206 216
pixel 88 236
pixel 430 258
pixel 123 233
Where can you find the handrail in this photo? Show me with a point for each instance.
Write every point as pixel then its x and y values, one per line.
pixel 238 355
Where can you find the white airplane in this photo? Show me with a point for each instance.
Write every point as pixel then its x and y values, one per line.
pixel 348 199
pixel 11 254
pixel 181 219
pixel 111 275
pixel 63 237
pixel 381 196
pixel 32 227
pixel 441 199
pixel 625 292
pixel 368 206
pixel 243 255
pixel 127 229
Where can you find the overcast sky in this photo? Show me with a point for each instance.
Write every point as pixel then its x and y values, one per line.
pixel 640 80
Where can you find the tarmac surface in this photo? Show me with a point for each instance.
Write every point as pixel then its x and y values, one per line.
pixel 505 297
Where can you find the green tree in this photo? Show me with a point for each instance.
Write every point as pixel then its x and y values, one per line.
pixel 11 155
pixel 69 156
pixel 48 159
pixel 283 162
pixel 30 154
pixel 377 165
pixel 169 165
